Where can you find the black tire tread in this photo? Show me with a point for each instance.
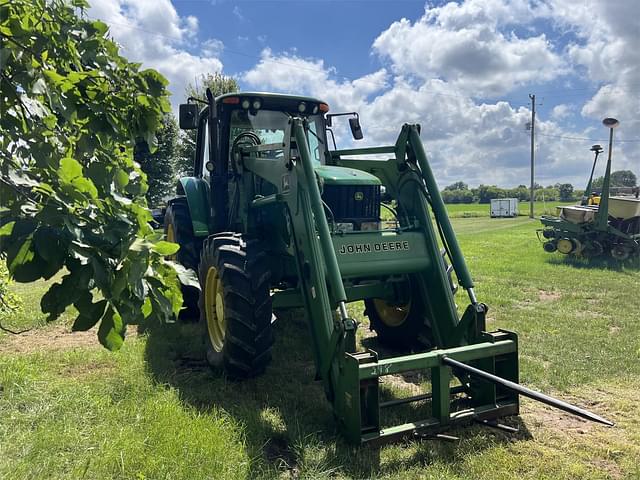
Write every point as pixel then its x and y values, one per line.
pixel 178 215
pixel 414 334
pixel 243 268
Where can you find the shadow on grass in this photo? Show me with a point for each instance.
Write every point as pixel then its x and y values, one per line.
pixel 285 418
pixel 630 266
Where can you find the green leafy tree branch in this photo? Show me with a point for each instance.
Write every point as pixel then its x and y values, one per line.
pixel 73 199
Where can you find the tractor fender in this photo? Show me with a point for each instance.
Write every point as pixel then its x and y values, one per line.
pixel 197 192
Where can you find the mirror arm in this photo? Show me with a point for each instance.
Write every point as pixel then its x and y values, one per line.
pixel 199 100
pixel 333 137
pixel 331 115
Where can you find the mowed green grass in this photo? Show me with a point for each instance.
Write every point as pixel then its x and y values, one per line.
pixel 154 410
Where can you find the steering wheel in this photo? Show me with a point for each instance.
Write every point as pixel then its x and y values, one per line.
pixel 244 138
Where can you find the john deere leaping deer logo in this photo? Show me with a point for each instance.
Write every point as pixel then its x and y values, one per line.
pixel 359 196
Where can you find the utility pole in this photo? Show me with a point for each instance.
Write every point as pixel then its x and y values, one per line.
pixel 533 126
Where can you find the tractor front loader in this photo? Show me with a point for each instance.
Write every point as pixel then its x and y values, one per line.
pixel 273 219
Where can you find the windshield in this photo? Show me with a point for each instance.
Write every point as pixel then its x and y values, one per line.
pixel 270 125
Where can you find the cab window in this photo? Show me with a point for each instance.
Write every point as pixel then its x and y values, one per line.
pixel 269 127
pixel 205 152
pixel 313 139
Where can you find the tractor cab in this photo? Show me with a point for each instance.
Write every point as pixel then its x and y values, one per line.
pixel 262 119
pixel 236 119
pixel 238 122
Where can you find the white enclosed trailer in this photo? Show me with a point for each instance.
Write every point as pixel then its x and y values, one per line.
pixel 504 207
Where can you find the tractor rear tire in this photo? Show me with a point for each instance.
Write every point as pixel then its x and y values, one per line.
pixel 235 305
pixel 179 229
pixel 401 327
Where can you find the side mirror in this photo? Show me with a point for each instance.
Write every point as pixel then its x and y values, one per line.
pixel 189 116
pixel 356 129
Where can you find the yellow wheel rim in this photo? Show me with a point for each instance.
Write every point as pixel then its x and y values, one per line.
pixel 214 308
pixel 565 246
pixel 171 237
pixel 391 315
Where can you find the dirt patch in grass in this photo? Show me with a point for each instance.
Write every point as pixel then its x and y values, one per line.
pixel 58 337
pixel 278 450
pixel 608 445
pixel 595 400
pixel 83 370
pixel 611 468
pixel 546 296
pixel 542 416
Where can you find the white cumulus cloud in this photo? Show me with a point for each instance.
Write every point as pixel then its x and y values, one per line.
pixel 152 32
pixel 608 35
pixel 469 46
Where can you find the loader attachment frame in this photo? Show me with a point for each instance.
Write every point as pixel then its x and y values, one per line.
pixel 337 267
pixel 327 260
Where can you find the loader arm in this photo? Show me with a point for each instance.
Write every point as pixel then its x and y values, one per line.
pixel 321 287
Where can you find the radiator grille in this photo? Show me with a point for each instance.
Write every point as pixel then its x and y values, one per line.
pixel 353 203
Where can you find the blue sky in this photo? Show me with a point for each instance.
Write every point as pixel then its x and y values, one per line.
pixel 463 70
pixel 341 33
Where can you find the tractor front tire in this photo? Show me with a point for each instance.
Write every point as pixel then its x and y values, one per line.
pixel 402 327
pixel 405 327
pixel 235 305
pixel 179 229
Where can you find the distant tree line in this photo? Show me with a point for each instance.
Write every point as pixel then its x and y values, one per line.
pixel 459 192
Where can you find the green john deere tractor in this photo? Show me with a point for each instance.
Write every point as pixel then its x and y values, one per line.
pixel 603 224
pixel 274 219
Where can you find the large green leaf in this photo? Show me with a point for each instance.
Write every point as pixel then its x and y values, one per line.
pixel 23 262
pixel 112 330
pixel 165 248
pixel 50 245
pixel 89 313
pixel 187 276
pixel 6 229
pixel 71 174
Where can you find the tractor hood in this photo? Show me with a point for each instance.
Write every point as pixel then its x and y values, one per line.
pixel 332 175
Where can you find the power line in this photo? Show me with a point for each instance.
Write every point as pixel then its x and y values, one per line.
pixel 583 89
pixel 586 139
